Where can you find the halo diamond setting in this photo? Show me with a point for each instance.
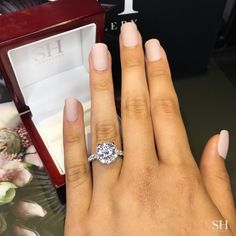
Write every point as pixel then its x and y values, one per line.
pixel 106 153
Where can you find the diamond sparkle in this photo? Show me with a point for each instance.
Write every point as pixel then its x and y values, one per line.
pixel 106 152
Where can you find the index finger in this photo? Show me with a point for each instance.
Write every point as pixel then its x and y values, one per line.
pixel 78 178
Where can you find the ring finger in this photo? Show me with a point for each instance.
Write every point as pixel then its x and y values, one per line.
pixel 104 120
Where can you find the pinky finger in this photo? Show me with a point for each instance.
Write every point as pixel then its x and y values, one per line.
pixel 216 178
pixel 78 177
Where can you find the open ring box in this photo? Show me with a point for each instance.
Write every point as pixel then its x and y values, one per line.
pixel 44 60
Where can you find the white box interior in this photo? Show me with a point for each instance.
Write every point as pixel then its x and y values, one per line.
pixel 50 70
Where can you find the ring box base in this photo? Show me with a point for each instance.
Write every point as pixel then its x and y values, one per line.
pixel 44 60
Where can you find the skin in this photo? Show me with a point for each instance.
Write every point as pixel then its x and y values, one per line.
pixel 157 188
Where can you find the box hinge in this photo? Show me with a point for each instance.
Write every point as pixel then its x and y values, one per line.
pixel 24 112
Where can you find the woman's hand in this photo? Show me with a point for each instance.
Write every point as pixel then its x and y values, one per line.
pixel 157 188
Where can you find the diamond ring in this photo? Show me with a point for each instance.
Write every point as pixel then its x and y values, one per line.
pixel 106 153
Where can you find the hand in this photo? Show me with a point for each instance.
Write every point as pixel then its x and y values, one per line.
pixel 157 188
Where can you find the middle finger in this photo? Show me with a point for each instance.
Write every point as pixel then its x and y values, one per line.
pixel 138 138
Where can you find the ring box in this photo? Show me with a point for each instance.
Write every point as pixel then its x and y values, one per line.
pixel 44 60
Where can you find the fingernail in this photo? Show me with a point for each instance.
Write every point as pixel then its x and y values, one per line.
pixel 223 143
pixel 153 50
pixel 129 34
pixel 71 109
pixel 100 56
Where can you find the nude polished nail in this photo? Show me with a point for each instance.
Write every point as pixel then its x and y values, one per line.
pixel 153 50
pixel 223 143
pixel 129 34
pixel 100 56
pixel 71 110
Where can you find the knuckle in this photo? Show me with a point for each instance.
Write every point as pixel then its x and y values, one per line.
pixel 105 131
pixel 219 176
pixel 77 174
pixel 188 184
pixel 102 83
pixel 142 187
pixel 137 107
pixel 159 72
pixel 223 176
pixel 165 106
pixel 72 139
pixel 132 59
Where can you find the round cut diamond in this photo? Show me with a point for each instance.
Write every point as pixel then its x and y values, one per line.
pixel 106 152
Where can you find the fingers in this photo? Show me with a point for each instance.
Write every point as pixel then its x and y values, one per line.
pixel 78 178
pixel 170 134
pixel 104 121
pixel 216 178
pixel 138 139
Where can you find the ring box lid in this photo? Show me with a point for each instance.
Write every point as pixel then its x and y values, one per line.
pixel 44 59
pixel 48 19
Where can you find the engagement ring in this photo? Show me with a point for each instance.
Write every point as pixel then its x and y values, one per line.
pixel 106 153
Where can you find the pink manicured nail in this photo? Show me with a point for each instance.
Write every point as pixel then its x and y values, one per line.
pixel 100 56
pixel 71 109
pixel 129 34
pixel 153 50
pixel 223 143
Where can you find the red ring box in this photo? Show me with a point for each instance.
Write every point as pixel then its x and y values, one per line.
pixel 44 59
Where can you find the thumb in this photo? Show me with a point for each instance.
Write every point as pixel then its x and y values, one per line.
pixel 216 178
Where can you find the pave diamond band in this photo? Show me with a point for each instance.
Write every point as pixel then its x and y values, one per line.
pixel 106 153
